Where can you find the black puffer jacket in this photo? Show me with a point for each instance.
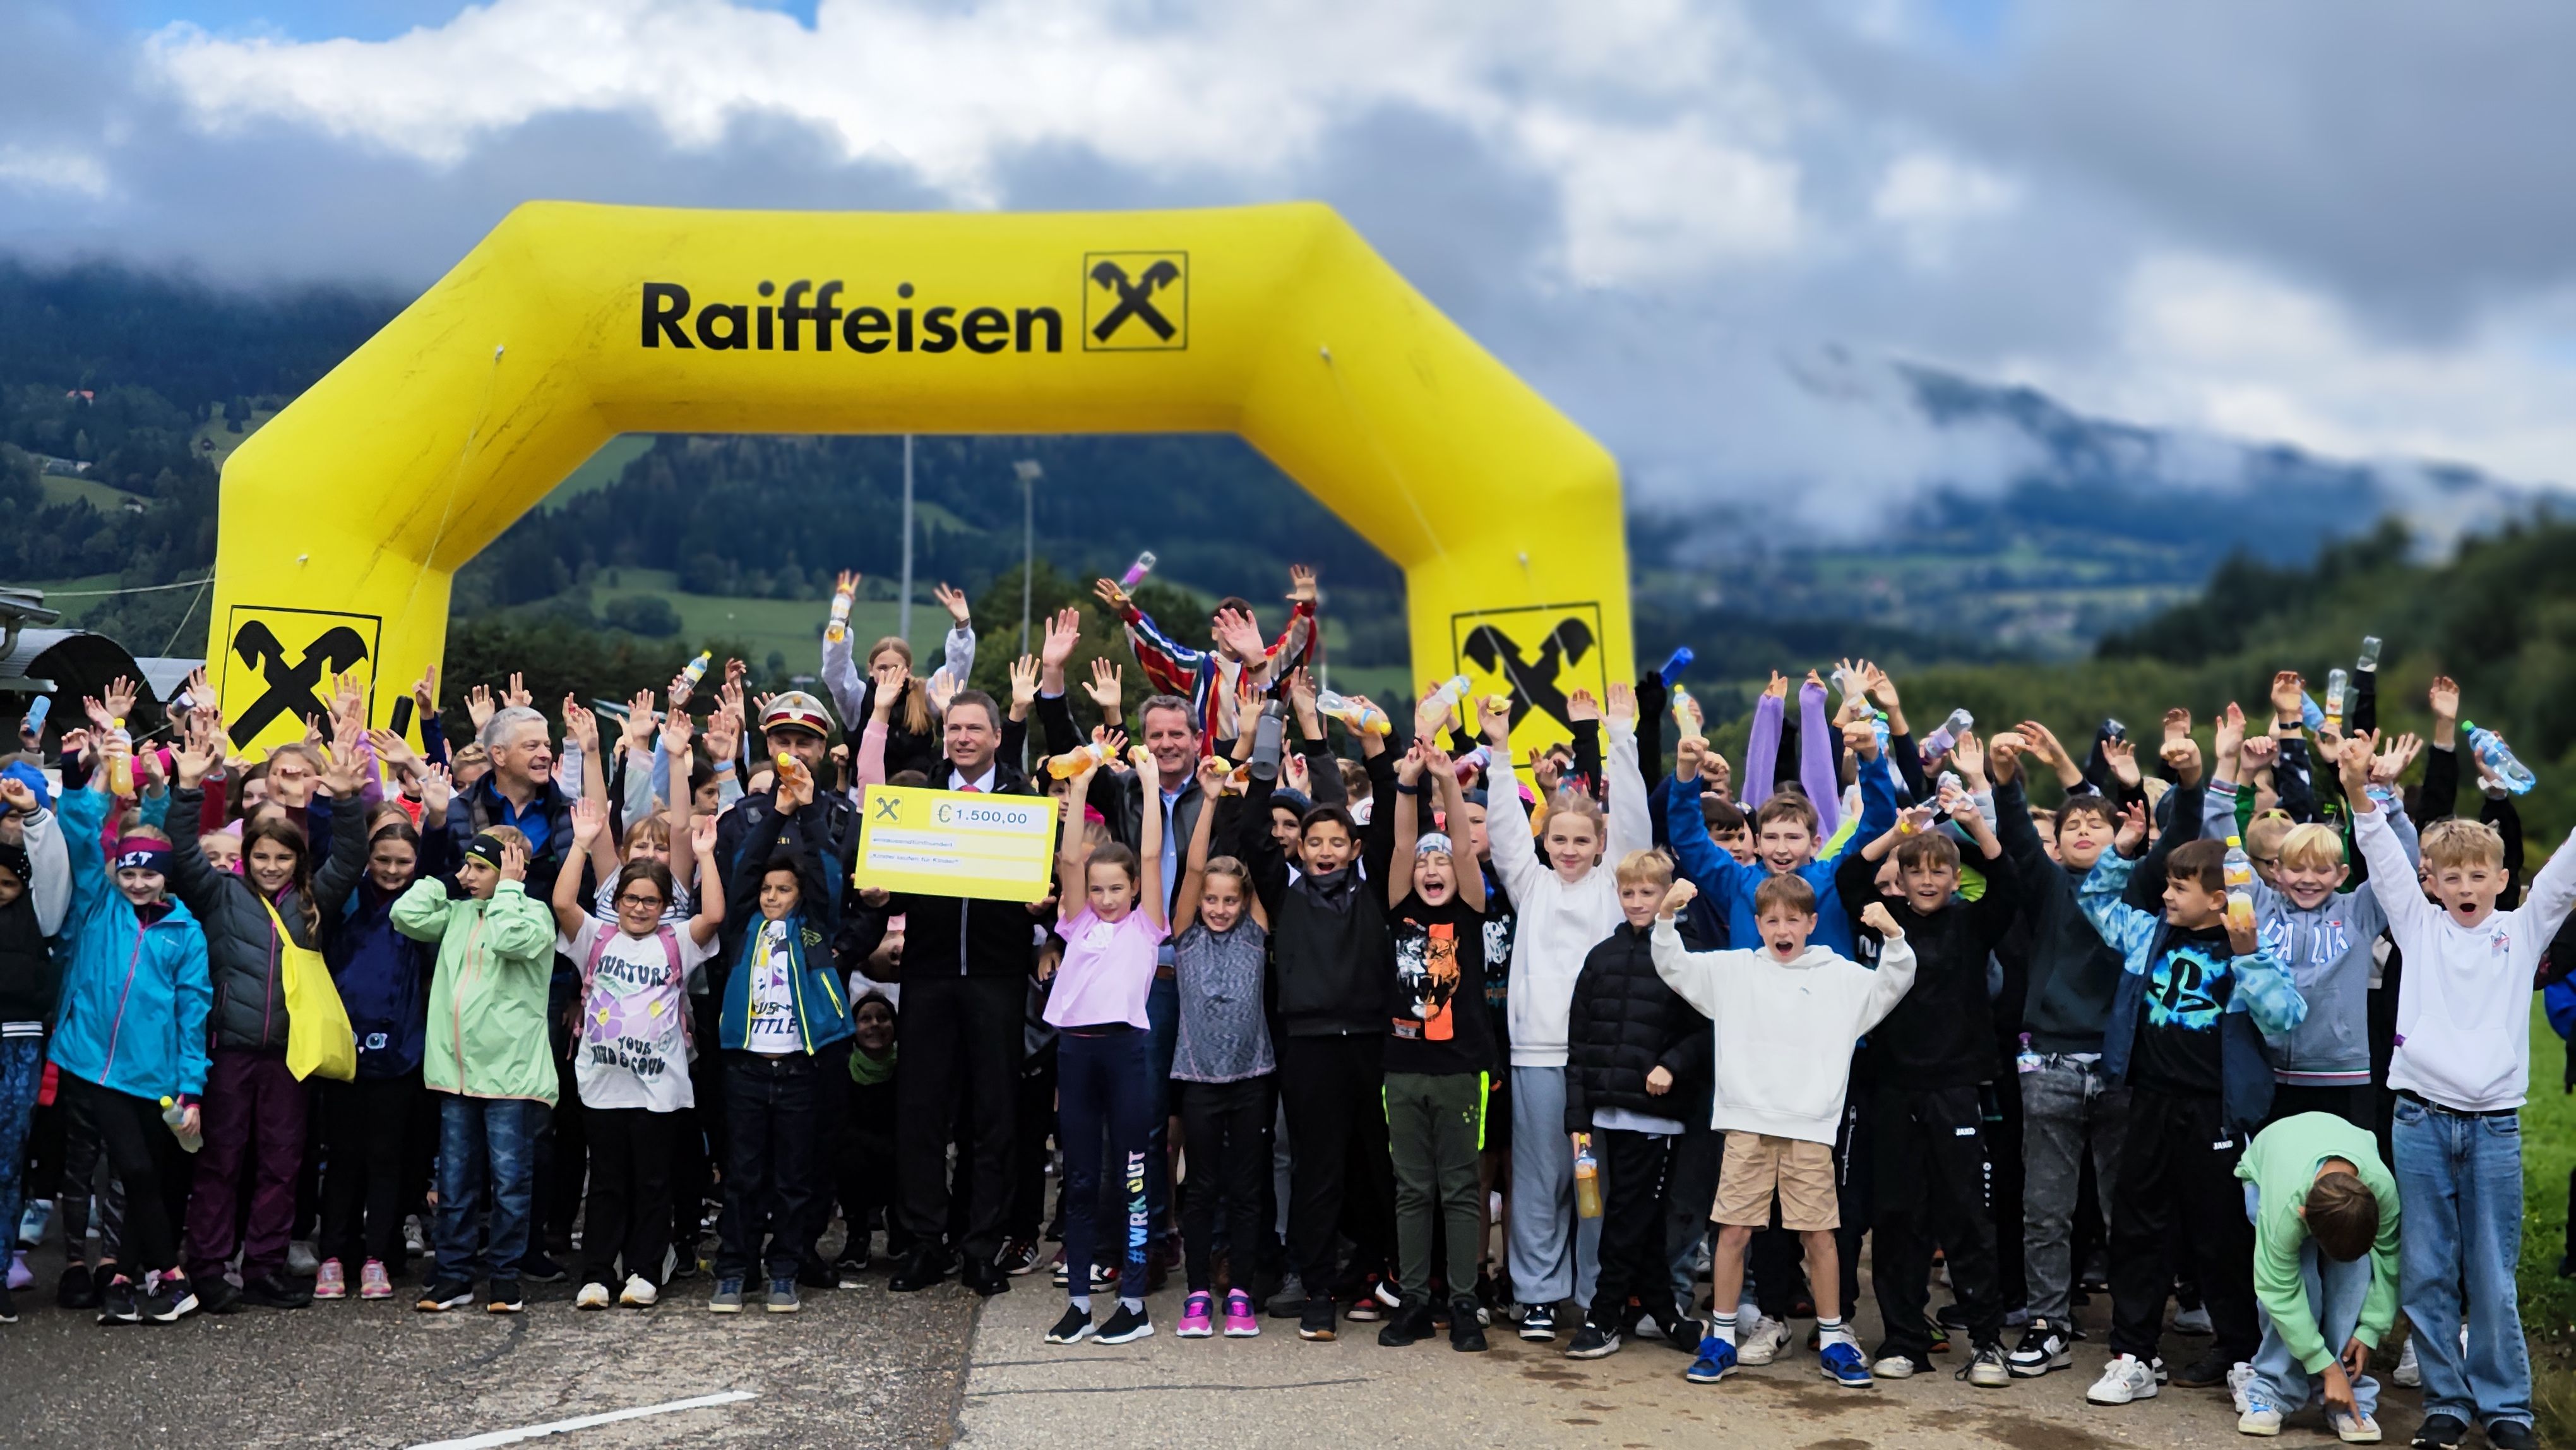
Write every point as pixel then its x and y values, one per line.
pixel 1624 1024
pixel 241 947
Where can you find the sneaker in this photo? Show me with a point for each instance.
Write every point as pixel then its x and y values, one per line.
pixel 2240 1386
pixel 639 1293
pixel 536 1268
pixel 1764 1343
pixel 924 1266
pixel 593 1295
pixel 116 1303
pixel 1073 1328
pixel 1021 1256
pixel 2124 1379
pixel 1843 1365
pixel 442 1295
pixel 1714 1362
pixel 220 1296
pixel 2043 1348
pixel 2441 1432
pixel 34 1222
pixel 1900 1367
pixel 727 1298
pixel 415 1238
pixel 849 1273
pixel 2408 1373
pixel 1538 1323
pixel 1466 1325
pixel 276 1291
pixel 331 1281
pixel 1410 1324
pixel 8 1307
pixel 2194 1322
pixel 1316 1322
pixel 1371 1303
pixel 1987 1370
pixel 1125 1326
pixel 1593 1341
pixel 504 1297
pixel 782 1296
pixel 815 1274
pixel 1240 1321
pixel 1289 1302
pixel 986 1279
pixel 2259 1418
pixel 373 1281
pixel 300 1258
pixel 2205 1373
pixel 20 1276
pixel 2511 1435
pixel 1198 1317
pixel 172 1299
pixel 2362 1429
pixel 78 1288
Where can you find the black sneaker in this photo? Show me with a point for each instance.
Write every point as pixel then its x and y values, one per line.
pixel 815 1274
pixel 2511 1435
pixel 1317 1322
pixel 1021 1256
pixel 1538 1323
pixel 1408 1325
pixel 504 1298
pixel 1369 1303
pixel 2207 1372
pixel 536 1268
pixel 1073 1328
pixel 8 1306
pixel 1685 1334
pixel 117 1304
pixel 276 1291
pixel 921 1268
pixel 2043 1348
pixel 1593 1341
pixel 78 1289
pixel 986 1279
pixel 438 1297
pixel 849 1273
pixel 173 1300
pixel 1466 1330
pixel 2441 1432
pixel 219 1296
pixel 1125 1325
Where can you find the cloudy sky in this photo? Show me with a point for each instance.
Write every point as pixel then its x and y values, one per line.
pixel 1705 229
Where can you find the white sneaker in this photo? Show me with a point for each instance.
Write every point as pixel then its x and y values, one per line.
pixel 415 1238
pixel 2124 1379
pixel 1987 1371
pixel 2354 1429
pixel 1894 1367
pixel 2408 1373
pixel 2238 1379
pixel 1764 1343
pixel 639 1293
pixel 592 1296
pixel 2260 1420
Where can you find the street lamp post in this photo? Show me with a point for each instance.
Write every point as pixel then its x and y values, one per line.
pixel 903 612
pixel 1030 472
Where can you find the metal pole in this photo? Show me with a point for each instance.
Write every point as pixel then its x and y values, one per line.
pixel 1030 472
pixel 903 616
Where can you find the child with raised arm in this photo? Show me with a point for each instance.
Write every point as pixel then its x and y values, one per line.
pixel 1785 841
pixel 633 1051
pixel 1439 1054
pixel 1785 1017
pixel 2461 1070
pixel 1223 1065
pixel 1110 914
pixel 1566 902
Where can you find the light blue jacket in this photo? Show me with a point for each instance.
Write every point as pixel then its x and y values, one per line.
pixel 132 1016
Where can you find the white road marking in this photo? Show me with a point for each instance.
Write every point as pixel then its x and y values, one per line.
pixel 492 1438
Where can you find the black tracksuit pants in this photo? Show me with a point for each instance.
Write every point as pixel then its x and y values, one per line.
pixel 1933 1184
pixel 961 1039
pixel 1333 1090
pixel 2179 1208
pixel 1634 1257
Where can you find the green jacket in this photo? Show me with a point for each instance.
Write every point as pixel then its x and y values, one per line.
pixel 487 1004
pixel 2281 1163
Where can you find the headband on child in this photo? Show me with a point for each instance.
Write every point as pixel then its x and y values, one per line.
pixel 487 849
pixel 1430 841
pixel 145 855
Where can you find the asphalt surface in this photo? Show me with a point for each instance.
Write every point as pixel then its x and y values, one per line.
pixel 855 1368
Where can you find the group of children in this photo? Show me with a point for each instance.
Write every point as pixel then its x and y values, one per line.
pixel 1424 1038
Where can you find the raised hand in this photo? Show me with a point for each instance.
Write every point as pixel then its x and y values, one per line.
pixel 2042 741
pixel 2123 757
pixel 1778 689
pixel 1108 592
pixel 2183 754
pixel 1544 772
pixel 1240 637
pixel 1495 714
pixel 582 726
pixel 1301 583
pixel 1676 896
pixel 1694 720
pixel 2287 688
pixel 2230 741
pixel 1969 754
pixel 1213 770
pixel 941 689
pixel 894 675
pixel 518 694
pixel 1063 632
pixel 479 707
pixel 120 696
pixel 2256 755
pixel 1107 687
pixel 794 786
pixel 676 730
pixel 1408 770
pixel 589 818
pixel 2177 724
pixel 2444 697
pixel 702 838
pixel 846 582
pixel 954 601
pixel 514 862
pixel 2396 754
pixel 15 794
pixel 1686 755
pixel 1877 918
pixel 637 733
pixel 437 788
pixel 1141 760
pixel 1433 714
pixel 1915 820
pixel 2132 835
pixel 2352 762
pixel 1881 686
pixel 1299 779
pixel 1024 685
pixel 1581 706
pixel 724 733
pixel 1623 703
pixel 2003 755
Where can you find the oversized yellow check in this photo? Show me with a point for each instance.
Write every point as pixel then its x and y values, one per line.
pixel 956 843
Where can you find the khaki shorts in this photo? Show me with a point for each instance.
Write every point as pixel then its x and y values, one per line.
pixel 1757 1163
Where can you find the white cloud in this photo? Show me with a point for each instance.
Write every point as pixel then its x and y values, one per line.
pixel 1926 196
pixel 53 169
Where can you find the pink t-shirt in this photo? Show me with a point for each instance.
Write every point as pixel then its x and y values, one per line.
pixel 1108 969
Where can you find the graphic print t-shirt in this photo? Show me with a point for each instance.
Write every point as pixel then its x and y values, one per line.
pixel 634 1048
pixel 1441 1025
pixel 773 996
pixel 2187 992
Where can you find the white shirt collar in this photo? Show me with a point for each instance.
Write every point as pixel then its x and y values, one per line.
pixel 958 781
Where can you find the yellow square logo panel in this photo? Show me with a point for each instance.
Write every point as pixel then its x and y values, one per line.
pixel 1135 301
pixel 1539 655
pixel 279 664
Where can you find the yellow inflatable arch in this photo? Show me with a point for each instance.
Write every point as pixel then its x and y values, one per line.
pixel 345 517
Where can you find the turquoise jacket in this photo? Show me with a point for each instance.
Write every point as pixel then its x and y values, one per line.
pixel 132 1015
pixel 822 1010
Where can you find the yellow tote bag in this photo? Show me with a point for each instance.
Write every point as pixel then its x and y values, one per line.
pixel 319 1040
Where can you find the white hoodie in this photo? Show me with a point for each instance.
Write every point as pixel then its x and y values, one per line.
pixel 2464 1004
pixel 1784 1029
pixel 1558 924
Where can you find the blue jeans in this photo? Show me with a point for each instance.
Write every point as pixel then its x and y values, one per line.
pixel 1104 1081
pixel 22 1071
pixel 2459 1184
pixel 2335 1291
pixel 485 1143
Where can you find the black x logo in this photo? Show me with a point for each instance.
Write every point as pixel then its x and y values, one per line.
pixel 1135 299
pixel 290 689
pixel 1533 681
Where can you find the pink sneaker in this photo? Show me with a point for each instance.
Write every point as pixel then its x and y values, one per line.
pixel 1240 1322
pixel 20 1276
pixel 374 1282
pixel 331 1283
pixel 1194 1316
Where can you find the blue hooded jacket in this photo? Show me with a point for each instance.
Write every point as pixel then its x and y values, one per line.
pixel 132 1015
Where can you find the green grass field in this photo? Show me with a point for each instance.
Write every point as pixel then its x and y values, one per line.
pixel 2548 1301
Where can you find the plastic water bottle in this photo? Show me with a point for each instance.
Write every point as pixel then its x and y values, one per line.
pixel 36 713
pixel 1676 662
pixel 2310 713
pixel 1075 762
pixel 120 760
pixel 1587 1178
pixel 1354 714
pixel 839 629
pixel 1879 731
pixel 1453 691
pixel 1469 764
pixel 1137 571
pixel 2368 663
pixel 696 669
pixel 1683 708
pixel 1948 781
pixel 2338 687
pixel 190 1140
pixel 2239 871
pixel 1947 733
pixel 2489 747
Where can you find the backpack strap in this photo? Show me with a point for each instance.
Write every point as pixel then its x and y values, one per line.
pixel 679 983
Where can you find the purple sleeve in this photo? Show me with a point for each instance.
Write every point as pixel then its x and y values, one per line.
pixel 1762 753
pixel 1818 745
